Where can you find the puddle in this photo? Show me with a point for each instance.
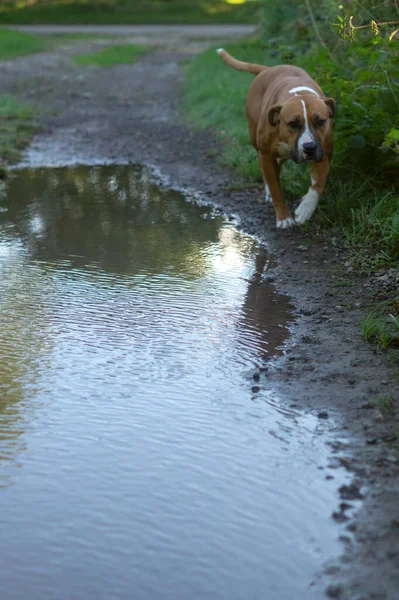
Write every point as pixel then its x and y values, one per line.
pixel 138 459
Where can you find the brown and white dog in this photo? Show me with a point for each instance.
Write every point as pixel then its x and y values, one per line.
pixel 288 118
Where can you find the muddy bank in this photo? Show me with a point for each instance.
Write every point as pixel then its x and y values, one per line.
pixel 131 114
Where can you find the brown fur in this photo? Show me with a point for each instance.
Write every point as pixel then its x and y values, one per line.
pixel 270 108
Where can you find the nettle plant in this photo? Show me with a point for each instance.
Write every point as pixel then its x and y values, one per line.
pixel 364 80
pixel 359 68
pixel 348 31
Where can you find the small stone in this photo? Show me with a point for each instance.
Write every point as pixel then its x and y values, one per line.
pixel 256 377
pixel 340 517
pixel 345 539
pixel 391 458
pixel 255 389
pixel 334 591
pixel 323 414
pixel 332 570
pixel 350 492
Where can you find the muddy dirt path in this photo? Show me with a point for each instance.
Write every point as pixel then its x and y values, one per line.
pixel 130 113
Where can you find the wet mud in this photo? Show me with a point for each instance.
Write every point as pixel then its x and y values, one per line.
pixel 130 114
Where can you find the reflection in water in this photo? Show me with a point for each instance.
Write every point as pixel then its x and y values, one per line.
pixel 129 319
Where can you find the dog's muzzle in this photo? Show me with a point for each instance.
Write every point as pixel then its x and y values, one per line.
pixel 308 151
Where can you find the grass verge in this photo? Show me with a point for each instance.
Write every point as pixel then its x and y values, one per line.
pixel 363 210
pixel 120 54
pixel 126 12
pixel 16 43
pixel 382 329
pixel 16 129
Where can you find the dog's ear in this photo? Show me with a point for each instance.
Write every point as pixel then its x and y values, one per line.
pixel 274 114
pixel 330 102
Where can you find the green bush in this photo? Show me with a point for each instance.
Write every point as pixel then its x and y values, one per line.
pixel 362 75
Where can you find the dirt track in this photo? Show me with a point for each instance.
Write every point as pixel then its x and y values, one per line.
pixel 130 113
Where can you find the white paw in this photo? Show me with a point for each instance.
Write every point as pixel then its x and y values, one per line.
pixel 268 196
pixel 307 207
pixel 285 223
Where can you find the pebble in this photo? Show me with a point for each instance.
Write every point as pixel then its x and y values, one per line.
pixel 334 591
pixel 350 492
pixel 323 414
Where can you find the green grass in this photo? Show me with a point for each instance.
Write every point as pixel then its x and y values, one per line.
pixel 121 54
pixel 15 43
pixel 365 212
pixel 366 215
pixel 108 12
pixel 386 403
pixel 16 128
pixel 381 329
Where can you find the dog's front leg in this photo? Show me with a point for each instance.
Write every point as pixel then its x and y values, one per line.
pixel 270 170
pixel 318 174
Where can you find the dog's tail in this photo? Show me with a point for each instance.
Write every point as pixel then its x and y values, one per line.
pixel 240 65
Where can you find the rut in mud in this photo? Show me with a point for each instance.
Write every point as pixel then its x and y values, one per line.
pixel 130 114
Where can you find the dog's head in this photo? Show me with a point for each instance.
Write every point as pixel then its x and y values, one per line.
pixel 305 123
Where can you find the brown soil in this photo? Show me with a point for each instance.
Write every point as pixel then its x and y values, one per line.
pixel 130 113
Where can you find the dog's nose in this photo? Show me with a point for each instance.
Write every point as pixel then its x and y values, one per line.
pixel 309 147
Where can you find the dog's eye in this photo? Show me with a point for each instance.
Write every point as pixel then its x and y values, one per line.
pixel 294 124
pixel 320 122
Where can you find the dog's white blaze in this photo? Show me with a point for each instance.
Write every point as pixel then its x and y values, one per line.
pixel 307 136
pixel 307 207
pixel 303 88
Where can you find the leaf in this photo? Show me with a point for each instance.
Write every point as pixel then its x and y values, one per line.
pixel 393 35
pixel 357 141
pixel 393 135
